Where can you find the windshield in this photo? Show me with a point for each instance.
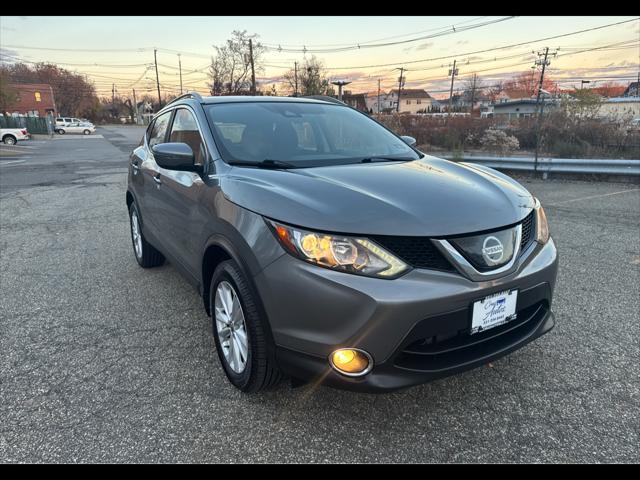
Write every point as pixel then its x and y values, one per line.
pixel 301 134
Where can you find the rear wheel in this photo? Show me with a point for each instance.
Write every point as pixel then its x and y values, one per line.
pixel 146 254
pixel 9 140
pixel 240 331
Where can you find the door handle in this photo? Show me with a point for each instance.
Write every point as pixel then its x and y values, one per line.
pixel 156 178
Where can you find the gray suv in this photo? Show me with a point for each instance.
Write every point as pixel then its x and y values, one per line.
pixel 328 249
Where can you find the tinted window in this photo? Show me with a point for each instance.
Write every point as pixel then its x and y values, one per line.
pixel 159 129
pixel 185 130
pixel 301 133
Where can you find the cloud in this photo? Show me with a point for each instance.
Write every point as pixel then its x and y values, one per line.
pixel 424 46
pixel 8 56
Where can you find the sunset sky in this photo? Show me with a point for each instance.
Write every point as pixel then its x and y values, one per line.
pixel 120 49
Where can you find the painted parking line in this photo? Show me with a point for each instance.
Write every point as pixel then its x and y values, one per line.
pixel 596 196
pixel 17 145
pixel 5 163
pixel 77 137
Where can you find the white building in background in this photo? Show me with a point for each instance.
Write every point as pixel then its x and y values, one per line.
pixel 620 109
pixel 371 99
pixel 413 100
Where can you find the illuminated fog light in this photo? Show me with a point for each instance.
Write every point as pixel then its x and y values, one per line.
pixel 351 362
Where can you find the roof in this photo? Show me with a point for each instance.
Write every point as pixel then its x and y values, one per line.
pixel 412 93
pixel 263 98
pixel 632 86
pixel 523 101
pixel 31 86
pixel 622 100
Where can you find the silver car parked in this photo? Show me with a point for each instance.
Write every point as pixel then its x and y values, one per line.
pixel 83 128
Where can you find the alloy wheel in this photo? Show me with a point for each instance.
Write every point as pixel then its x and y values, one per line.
pixel 135 233
pixel 231 327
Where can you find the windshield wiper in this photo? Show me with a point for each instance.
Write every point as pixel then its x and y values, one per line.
pixel 266 163
pixel 385 159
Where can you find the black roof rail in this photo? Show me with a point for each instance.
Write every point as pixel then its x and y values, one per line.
pixel 195 95
pixel 325 98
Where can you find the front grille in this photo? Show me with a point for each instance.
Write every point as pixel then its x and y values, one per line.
pixel 444 341
pixel 528 231
pixel 419 252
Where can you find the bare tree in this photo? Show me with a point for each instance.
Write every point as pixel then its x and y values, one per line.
pixel 494 90
pixel 312 79
pixel 230 70
pixel 473 88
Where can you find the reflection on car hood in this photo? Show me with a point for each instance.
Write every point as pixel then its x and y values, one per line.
pixel 426 197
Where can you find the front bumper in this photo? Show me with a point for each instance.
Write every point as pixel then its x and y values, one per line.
pixel 415 327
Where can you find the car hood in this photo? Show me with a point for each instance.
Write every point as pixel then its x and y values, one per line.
pixel 426 197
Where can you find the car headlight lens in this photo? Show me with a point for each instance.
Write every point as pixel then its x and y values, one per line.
pixel 347 254
pixel 542 227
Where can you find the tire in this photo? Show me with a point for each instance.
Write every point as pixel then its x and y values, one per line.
pixel 260 371
pixel 87 132
pixel 146 254
pixel 61 131
pixel 9 140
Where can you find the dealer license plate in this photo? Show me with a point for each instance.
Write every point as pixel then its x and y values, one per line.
pixel 494 310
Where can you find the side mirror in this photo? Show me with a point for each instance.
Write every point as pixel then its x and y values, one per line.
pixel 409 140
pixel 175 156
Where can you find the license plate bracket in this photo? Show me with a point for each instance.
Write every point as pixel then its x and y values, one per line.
pixel 494 310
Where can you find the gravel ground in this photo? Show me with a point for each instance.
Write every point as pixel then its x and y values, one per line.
pixel 102 361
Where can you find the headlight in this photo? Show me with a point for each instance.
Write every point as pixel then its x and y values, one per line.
pixel 542 227
pixel 347 254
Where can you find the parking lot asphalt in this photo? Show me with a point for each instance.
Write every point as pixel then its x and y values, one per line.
pixel 102 361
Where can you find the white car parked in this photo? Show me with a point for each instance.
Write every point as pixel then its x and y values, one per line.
pixel 10 136
pixel 64 121
pixel 84 128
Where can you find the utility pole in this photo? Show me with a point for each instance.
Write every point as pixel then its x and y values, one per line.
pixel 400 83
pixel 180 68
pixel 135 107
pixel 155 59
pixel 453 72
pixel 295 75
pixel 378 96
pixel 253 73
pixel 473 92
pixel 539 111
pixel 113 99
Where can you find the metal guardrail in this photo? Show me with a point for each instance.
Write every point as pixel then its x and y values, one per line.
pixel 556 165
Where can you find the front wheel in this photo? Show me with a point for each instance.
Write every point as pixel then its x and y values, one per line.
pixel 240 331
pixel 9 140
pixel 61 131
pixel 87 132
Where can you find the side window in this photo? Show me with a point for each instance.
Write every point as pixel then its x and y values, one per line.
pixel 159 129
pixel 185 130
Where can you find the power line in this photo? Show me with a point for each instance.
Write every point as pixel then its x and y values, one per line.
pixel 359 46
pixel 270 44
pixel 488 49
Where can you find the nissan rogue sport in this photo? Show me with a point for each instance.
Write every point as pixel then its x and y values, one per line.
pixel 328 249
